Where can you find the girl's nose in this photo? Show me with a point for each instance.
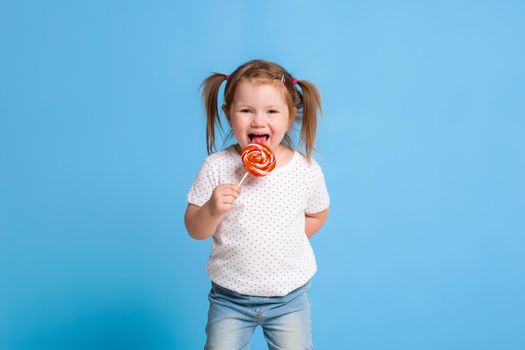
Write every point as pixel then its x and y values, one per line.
pixel 258 119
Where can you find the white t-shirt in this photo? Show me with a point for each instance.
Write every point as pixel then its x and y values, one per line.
pixel 260 247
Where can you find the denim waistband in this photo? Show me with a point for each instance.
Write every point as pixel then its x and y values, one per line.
pixel 219 289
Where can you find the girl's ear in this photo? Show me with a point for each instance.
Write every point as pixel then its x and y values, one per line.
pixel 292 117
pixel 226 111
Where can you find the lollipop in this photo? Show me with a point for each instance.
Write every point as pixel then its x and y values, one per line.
pixel 258 160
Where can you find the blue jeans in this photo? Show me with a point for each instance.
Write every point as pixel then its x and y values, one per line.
pixel 233 317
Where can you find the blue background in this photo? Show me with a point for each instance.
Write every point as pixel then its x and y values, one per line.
pixel 102 133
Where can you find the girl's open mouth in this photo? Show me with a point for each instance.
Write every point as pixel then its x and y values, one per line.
pixel 258 138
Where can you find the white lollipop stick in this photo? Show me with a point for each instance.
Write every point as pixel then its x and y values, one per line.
pixel 244 177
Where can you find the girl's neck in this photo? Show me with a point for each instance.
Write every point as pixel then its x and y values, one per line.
pixel 283 154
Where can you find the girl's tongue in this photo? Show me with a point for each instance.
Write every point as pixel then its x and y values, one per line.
pixel 259 139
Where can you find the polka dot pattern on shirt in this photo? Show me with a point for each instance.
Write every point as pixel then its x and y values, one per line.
pixel 259 247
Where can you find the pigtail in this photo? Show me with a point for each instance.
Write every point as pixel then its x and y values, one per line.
pixel 311 102
pixel 210 93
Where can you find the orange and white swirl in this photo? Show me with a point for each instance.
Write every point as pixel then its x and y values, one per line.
pixel 258 159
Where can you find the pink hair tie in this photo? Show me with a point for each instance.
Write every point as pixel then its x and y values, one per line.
pixel 294 81
pixel 227 77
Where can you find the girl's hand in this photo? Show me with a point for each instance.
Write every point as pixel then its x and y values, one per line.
pixel 222 198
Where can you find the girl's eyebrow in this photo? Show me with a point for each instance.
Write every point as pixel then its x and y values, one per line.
pixel 241 104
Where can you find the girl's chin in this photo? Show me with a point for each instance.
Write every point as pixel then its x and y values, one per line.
pixel 252 142
pixel 242 145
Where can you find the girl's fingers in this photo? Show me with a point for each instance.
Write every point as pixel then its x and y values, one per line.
pixel 229 199
pixel 231 192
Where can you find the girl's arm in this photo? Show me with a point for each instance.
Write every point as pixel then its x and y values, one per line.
pixel 314 222
pixel 201 222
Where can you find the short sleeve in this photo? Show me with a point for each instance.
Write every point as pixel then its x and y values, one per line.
pixel 318 198
pixel 203 185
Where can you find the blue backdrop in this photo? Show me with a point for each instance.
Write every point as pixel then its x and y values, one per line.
pixel 102 132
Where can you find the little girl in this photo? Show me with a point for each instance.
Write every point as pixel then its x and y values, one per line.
pixel 261 260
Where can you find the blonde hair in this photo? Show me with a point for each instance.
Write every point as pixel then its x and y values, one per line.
pixel 307 100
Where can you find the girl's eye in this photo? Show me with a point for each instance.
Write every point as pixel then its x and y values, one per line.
pixel 245 110
pixel 273 111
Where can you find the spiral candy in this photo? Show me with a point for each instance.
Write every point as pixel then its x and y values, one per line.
pixel 258 159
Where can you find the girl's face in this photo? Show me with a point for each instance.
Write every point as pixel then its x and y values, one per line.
pixel 259 113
